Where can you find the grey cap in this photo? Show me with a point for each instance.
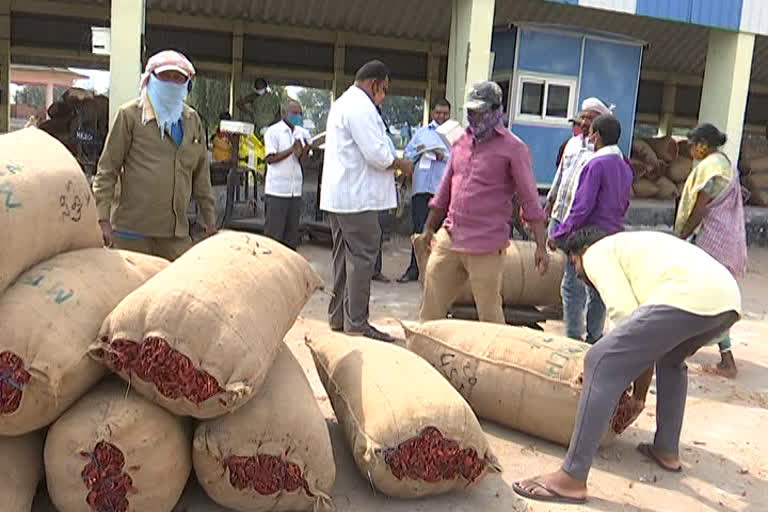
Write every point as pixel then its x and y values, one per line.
pixel 483 96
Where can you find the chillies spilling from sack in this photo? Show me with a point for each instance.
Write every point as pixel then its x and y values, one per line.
pixel 107 483
pixel 173 373
pixel 265 474
pixel 431 457
pixel 623 416
pixel 13 376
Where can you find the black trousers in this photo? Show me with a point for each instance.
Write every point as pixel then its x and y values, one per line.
pixel 282 219
pixel 419 214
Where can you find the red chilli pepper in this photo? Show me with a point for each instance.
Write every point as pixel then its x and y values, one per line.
pixel 432 458
pixel 13 377
pixel 108 485
pixel 173 374
pixel 265 474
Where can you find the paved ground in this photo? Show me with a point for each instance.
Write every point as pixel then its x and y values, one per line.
pixel 724 441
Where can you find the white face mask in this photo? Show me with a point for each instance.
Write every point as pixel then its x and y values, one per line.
pixel 261 92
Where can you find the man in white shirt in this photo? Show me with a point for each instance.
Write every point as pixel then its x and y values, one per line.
pixel 358 182
pixel 286 142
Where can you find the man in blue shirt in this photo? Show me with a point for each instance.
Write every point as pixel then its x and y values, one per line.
pixel 431 154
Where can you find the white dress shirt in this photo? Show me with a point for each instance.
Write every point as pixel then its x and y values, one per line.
pixel 358 156
pixel 284 178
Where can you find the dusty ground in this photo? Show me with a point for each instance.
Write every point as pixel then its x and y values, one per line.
pixel 724 445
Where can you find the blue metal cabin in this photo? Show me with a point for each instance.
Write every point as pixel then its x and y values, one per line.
pixel 546 72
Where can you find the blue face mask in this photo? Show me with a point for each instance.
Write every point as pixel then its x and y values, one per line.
pixel 296 119
pixel 167 100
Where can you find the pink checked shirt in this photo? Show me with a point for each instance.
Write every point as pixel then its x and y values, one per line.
pixel 482 185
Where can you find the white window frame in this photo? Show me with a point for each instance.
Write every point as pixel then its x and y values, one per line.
pixel 547 81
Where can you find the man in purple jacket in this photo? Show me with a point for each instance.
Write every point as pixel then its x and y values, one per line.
pixel 605 185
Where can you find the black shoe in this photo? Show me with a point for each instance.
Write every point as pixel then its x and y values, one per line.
pixel 337 329
pixel 409 277
pixel 373 333
pixel 381 278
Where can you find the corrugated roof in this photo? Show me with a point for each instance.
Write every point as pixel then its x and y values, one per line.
pixel 673 47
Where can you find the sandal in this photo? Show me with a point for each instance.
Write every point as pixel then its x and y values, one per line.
pixel 647 450
pixel 552 497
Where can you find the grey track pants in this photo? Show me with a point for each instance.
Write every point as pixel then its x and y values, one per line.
pixel 660 335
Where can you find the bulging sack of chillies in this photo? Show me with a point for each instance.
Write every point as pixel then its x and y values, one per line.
pixel 411 434
pixel 50 316
pixel 522 285
pixel 116 451
pixel 524 379
pixel 272 454
pixel 46 206
pixel 200 337
pixel 21 471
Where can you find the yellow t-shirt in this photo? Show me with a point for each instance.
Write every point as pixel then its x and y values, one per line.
pixel 641 268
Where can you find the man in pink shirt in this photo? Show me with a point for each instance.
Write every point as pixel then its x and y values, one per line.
pixel 489 171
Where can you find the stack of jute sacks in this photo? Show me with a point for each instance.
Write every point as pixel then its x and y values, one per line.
pixel 754 177
pixel 57 283
pixel 207 382
pixel 661 166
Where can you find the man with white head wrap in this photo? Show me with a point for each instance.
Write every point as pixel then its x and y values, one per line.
pixel 576 296
pixel 156 149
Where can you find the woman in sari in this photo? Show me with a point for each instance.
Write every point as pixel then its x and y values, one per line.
pixel 711 215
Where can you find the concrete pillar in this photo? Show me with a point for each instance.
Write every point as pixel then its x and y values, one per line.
pixel 668 109
pixel 726 84
pixel 339 59
pixel 469 52
pixel 127 21
pixel 48 95
pixel 5 66
pixel 237 67
pixel 430 94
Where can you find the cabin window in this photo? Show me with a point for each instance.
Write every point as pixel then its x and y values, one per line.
pixel 545 99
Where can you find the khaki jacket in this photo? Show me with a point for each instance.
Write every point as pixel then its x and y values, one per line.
pixel 157 178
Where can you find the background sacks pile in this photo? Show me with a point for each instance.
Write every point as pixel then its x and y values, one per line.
pixel 410 432
pixel 272 454
pixel 524 379
pixel 198 344
pixel 661 166
pixel 50 316
pixel 21 471
pixel 114 450
pixel 522 284
pixel 46 206
pixel 754 176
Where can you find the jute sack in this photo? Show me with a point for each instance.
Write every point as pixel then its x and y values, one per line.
pixel 50 316
pixel 680 169
pixel 667 189
pixel 524 379
pixel 200 337
pixel 665 147
pixel 642 151
pixel 639 168
pixel 757 165
pixel 644 188
pixel 21 471
pixel 759 197
pixel 115 447
pixel 411 434
pixel 272 454
pixel 46 206
pixel 522 284
pixel 757 181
